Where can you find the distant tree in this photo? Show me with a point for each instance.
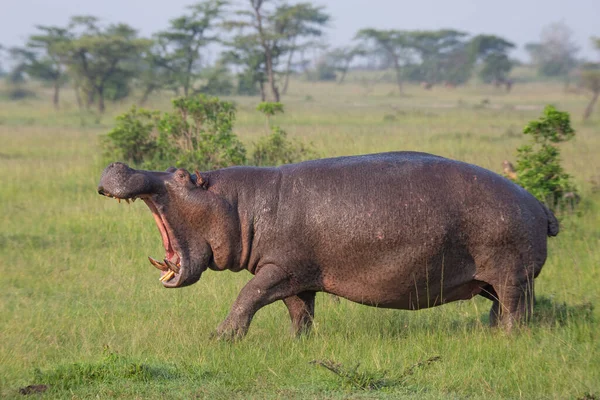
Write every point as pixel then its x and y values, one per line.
pixel 278 30
pixel 493 52
pixel 555 54
pixel 340 59
pixel 590 80
pixel 245 52
pixel 216 81
pixel 103 58
pixel 299 24
pixel 2 72
pixel 16 76
pixel 46 61
pixel 154 72
pixel 394 44
pixel 179 46
pixel 443 53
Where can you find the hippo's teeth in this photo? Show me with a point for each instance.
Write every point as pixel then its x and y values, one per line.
pixel 158 264
pixel 172 266
pixel 133 199
pixel 127 200
pixel 119 200
pixel 167 277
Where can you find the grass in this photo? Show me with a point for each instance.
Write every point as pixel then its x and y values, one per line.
pixel 82 311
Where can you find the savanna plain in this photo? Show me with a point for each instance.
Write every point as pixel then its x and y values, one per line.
pixel 82 311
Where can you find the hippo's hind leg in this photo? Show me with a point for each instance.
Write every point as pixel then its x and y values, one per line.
pixel 489 293
pixel 514 303
pixel 302 311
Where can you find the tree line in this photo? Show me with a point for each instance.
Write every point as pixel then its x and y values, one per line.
pixel 262 44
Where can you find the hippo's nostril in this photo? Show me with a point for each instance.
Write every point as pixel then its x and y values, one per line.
pixel 101 191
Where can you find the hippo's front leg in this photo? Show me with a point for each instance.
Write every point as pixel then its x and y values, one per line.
pixel 270 284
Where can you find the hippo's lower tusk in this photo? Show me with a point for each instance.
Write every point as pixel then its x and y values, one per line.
pixel 158 264
pixel 173 267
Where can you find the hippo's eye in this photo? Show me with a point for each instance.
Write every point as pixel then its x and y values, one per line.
pixel 181 175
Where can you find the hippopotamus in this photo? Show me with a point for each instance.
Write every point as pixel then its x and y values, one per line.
pixel 402 230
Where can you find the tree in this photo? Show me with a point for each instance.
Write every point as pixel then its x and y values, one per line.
pixel 590 80
pixel 444 55
pixel 154 72
pixel 493 52
pixel 2 72
pixel 245 52
pixel 589 77
pixel 47 62
pixel 340 59
pixel 103 57
pixel 277 30
pixel 555 54
pixel 394 44
pixel 297 22
pixel 179 46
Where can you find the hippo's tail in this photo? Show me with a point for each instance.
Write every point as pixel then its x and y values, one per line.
pixel 552 221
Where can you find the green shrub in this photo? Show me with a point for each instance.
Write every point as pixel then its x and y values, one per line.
pixel 133 139
pixel 538 163
pixel 276 148
pixel 196 134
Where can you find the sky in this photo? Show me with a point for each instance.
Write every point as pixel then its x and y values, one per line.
pixel 520 21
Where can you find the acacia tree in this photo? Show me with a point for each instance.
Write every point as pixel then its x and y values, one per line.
pixel 179 46
pixel 493 52
pixel 443 54
pixel 244 52
pixel 41 58
pixel 103 58
pixel 340 59
pixel 393 43
pixel 555 54
pixel 154 72
pixel 277 30
pixel 590 80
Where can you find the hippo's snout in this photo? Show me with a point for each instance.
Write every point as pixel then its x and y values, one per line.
pixel 122 182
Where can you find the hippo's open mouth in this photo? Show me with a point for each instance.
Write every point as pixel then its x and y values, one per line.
pixel 171 267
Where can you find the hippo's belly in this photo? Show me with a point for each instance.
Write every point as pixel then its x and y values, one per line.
pixel 406 278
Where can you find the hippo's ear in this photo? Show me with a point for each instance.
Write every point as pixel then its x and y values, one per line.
pixel 201 182
pixel 171 169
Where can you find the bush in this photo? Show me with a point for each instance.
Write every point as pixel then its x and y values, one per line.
pixel 277 149
pixel 538 164
pixel 133 139
pixel 196 134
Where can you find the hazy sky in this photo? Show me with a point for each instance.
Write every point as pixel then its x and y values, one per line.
pixel 518 20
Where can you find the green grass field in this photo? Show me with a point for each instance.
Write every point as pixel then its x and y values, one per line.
pixel 81 309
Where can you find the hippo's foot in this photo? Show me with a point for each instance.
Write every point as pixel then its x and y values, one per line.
pixel 230 332
pixel 513 306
